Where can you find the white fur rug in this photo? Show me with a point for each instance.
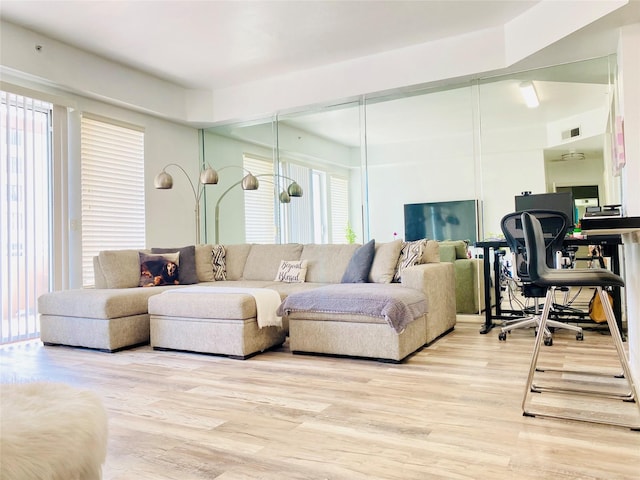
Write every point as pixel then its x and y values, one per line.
pixel 51 431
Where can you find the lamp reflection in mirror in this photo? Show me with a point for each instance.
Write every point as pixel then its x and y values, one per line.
pixel 208 176
pixel 250 182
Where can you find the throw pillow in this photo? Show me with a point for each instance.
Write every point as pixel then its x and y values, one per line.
pixel 159 269
pixel 218 262
pixel 203 263
pixel 292 271
pixel 385 261
pixel 410 255
pixel 360 264
pixel 187 273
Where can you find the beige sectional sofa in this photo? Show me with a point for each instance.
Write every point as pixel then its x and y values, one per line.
pixel 469 276
pixel 117 314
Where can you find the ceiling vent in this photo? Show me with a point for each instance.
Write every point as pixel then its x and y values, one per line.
pixel 572 133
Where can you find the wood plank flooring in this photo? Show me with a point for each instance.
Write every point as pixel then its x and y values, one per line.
pixel 451 411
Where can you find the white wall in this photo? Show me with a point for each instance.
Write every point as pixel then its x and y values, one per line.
pixel 629 65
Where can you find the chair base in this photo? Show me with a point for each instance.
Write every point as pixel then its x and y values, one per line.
pixel 631 395
pixel 534 321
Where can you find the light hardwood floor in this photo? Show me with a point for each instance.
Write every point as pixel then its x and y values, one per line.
pixel 450 411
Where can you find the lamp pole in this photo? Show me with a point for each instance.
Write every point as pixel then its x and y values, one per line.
pixel 208 176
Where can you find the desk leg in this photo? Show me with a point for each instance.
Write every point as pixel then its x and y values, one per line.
pixel 613 251
pixel 488 323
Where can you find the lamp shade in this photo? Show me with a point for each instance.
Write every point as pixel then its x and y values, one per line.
pixel 284 197
pixel 250 182
pixel 295 190
pixel 163 181
pixel 208 176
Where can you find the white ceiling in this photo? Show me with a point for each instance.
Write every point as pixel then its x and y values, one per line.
pixel 209 44
pixel 212 44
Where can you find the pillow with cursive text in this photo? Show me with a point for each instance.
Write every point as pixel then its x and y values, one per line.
pixel 292 271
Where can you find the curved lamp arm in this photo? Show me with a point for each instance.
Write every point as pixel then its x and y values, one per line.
pixel 208 176
pixel 297 192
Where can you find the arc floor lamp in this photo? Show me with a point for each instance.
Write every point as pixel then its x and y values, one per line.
pixel 209 176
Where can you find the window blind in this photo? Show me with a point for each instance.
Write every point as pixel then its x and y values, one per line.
pixel 339 195
pixel 113 207
pixel 25 213
pixel 259 211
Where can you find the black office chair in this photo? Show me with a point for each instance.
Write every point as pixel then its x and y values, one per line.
pixel 554 226
pixel 542 275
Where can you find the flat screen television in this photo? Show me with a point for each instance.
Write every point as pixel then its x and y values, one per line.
pixel 559 201
pixel 455 220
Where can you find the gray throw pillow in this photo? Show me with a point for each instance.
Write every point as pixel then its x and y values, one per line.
pixel 187 273
pixel 360 264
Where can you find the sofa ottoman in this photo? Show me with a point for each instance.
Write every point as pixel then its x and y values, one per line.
pixel 380 321
pixel 215 323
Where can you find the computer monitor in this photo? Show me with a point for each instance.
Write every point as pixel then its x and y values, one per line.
pixel 560 201
pixel 455 220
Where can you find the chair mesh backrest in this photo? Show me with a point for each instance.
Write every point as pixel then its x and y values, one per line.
pixel 554 226
pixel 535 244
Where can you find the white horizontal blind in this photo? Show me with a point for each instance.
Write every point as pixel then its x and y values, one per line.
pixel 301 213
pixel 259 211
pixel 25 213
pixel 339 198
pixel 113 208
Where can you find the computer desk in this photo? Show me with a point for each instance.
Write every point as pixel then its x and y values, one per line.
pixel 610 244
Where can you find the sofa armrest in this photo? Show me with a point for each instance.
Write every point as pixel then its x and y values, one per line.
pixel 437 282
pixel 469 285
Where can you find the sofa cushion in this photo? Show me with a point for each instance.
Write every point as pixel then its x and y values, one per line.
pixel 159 269
pixel 447 252
pixel 431 252
pixel 326 263
pixel 235 258
pixel 97 303
pixel 291 271
pixel 410 255
pixel 203 263
pixel 120 268
pixel 187 268
pixel 360 264
pixel 385 261
pixel 460 247
pixel 263 261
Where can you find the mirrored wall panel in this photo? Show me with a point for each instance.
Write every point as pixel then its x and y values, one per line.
pixel 559 142
pixel 443 163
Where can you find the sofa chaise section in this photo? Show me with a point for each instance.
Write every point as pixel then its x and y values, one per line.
pixel 103 319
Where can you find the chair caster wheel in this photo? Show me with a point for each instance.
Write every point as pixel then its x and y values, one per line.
pixel 502 336
pixel 548 341
pixel 579 336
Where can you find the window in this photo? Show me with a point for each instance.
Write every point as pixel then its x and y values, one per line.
pixel 319 216
pixel 113 209
pixel 25 213
pixel 339 194
pixel 259 211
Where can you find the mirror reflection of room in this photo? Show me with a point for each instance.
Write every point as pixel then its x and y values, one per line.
pixel 477 141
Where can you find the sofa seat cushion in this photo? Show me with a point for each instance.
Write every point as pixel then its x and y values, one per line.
pixel 102 303
pixel 232 306
pixel 286 289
